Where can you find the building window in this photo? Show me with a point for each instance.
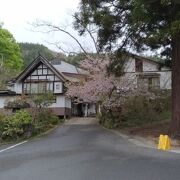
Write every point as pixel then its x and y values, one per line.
pixel 49 87
pixel 153 83
pixel 39 71
pixel 150 83
pixel 139 65
pixel 57 86
pixel 40 87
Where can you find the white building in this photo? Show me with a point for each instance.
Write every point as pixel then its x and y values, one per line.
pixel 49 76
pixel 147 72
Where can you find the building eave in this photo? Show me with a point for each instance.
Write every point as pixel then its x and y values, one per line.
pixel 34 64
pixel 7 93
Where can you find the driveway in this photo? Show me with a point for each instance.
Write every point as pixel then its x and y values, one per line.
pixel 85 151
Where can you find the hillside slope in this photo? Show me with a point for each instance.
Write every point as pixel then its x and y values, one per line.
pixel 30 51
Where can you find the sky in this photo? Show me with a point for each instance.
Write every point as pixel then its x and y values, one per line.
pixel 18 16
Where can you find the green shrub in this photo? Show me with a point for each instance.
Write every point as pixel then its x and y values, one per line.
pixel 15 126
pixel 141 110
pixel 109 118
pixel 45 119
pixel 137 111
pixel 2 123
pixel 22 125
pixel 54 120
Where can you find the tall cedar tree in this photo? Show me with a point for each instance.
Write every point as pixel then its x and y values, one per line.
pixel 138 25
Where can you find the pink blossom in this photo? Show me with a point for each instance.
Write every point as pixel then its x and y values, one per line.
pixel 100 87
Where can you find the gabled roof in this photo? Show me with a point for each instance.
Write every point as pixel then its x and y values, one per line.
pixel 65 67
pixel 36 63
pixel 71 72
pixel 61 69
pixel 146 59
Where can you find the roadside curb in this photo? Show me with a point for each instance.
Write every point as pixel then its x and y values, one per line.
pixel 140 141
pixel 136 140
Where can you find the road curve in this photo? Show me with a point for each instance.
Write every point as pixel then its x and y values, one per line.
pixel 85 151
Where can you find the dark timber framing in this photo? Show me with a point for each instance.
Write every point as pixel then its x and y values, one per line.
pixel 41 76
pixel 38 61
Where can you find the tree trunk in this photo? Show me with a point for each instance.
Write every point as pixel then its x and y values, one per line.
pixel 99 110
pixel 175 122
pixel 86 110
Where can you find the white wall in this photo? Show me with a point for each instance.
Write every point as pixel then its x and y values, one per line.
pixel 129 65
pixel 150 66
pixel 165 74
pixel 5 99
pixel 67 102
pixel 165 79
pixel 60 101
pixel 17 87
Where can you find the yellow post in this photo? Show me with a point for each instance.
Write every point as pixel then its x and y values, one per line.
pixel 164 142
pixel 161 140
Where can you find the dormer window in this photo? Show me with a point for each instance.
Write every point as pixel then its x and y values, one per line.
pixel 139 65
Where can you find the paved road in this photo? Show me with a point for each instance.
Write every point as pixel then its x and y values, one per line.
pixel 86 152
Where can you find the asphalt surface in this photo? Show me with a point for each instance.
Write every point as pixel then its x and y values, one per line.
pixel 86 152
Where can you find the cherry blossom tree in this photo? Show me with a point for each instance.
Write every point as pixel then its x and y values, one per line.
pixel 99 87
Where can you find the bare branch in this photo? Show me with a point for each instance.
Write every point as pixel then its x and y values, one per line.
pixel 90 32
pixel 54 28
pixel 56 44
pixel 93 39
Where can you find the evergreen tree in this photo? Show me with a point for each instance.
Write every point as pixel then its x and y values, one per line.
pixel 30 51
pixel 126 25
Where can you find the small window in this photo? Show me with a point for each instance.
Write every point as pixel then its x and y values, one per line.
pixel 154 83
pixel 139 65
pixel 150 83
pixel 57 86
pixel 49 87
pixel 45 71
pixel 39 71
